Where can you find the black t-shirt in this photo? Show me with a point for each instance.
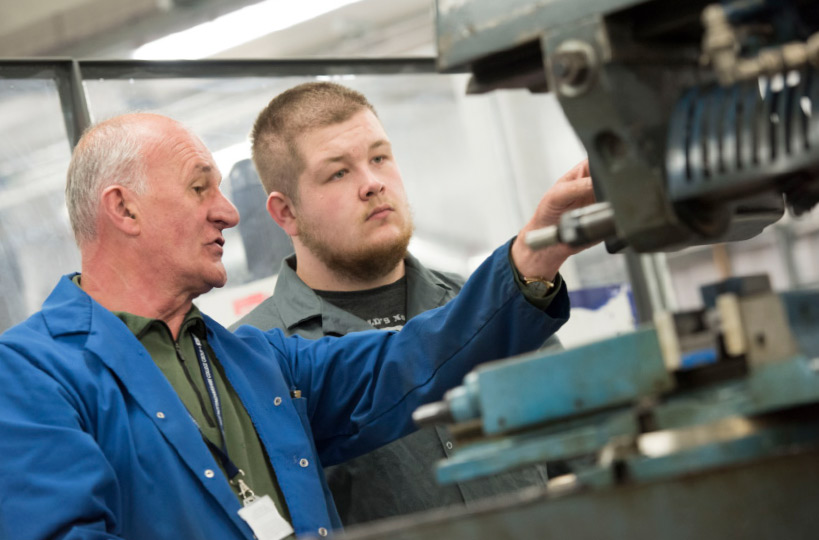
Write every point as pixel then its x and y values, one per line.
pixel 385 307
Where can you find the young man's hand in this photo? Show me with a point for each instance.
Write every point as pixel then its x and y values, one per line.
pixel 572 190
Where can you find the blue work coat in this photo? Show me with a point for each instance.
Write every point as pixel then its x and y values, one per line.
pixel 96 444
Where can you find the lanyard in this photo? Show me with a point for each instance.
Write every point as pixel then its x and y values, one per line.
pixel 246 494
pixel 207 375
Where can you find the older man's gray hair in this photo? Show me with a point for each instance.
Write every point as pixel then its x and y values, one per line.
pixel 109 153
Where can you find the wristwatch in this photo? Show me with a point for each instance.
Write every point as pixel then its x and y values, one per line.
pixel 538 287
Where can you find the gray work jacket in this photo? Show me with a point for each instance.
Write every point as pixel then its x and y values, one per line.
pixel 397 478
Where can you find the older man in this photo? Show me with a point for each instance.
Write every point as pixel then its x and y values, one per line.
pixel 334 186
pixel 126 413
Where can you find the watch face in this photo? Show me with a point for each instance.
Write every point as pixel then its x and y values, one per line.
pixel 537 288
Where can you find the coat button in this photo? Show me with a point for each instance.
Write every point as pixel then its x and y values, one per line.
pixel 277 401
pixel 449 445
pixel 209 473
pixel 322 531
pixel 303 462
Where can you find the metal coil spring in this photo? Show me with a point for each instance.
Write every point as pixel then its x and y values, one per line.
pixel 729 143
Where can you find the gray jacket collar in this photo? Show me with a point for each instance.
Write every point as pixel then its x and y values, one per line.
pixel 297 303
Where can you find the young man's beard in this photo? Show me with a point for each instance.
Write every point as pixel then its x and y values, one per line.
pixel 366 263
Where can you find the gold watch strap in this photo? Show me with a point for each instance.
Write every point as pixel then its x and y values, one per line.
pixel 535 279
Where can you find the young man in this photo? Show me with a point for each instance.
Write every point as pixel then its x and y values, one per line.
pixel 334 187
pixel 125 413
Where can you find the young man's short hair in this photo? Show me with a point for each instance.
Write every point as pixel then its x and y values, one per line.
pixel 295 111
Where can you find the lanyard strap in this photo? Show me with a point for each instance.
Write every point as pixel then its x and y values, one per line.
pixel 207 375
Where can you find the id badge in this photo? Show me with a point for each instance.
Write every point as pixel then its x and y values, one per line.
pixel 265 521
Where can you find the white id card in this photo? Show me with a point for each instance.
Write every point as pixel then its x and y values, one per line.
pixel 265 520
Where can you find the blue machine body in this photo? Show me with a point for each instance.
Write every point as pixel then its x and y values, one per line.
pixel 567 405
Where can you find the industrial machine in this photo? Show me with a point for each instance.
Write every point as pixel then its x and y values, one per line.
pixel 703 425
pixel 699 125
pixel 696 117
pixel 708 419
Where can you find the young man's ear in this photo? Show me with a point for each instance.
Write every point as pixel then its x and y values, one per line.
pixel 119 208
pixel 283 212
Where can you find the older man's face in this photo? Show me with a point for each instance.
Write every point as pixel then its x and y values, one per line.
pixel 185 213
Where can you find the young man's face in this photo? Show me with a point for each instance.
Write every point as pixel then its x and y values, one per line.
pixel 352 211
pixel 185 212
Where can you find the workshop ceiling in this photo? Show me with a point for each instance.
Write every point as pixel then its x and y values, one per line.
pixel 115 28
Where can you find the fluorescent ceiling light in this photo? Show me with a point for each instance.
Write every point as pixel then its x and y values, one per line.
pixel 235 28
pixel 347 77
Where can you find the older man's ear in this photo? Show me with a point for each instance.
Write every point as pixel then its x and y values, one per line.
pixel 120 210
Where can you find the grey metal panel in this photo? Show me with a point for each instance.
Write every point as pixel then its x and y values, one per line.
pixel 771 498
pixel 211 68
pixel 470 29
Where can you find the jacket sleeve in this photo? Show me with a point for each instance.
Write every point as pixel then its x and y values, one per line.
pixel 56 482
pixel 361 389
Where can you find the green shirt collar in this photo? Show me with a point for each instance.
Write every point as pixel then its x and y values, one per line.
pixel 140 325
